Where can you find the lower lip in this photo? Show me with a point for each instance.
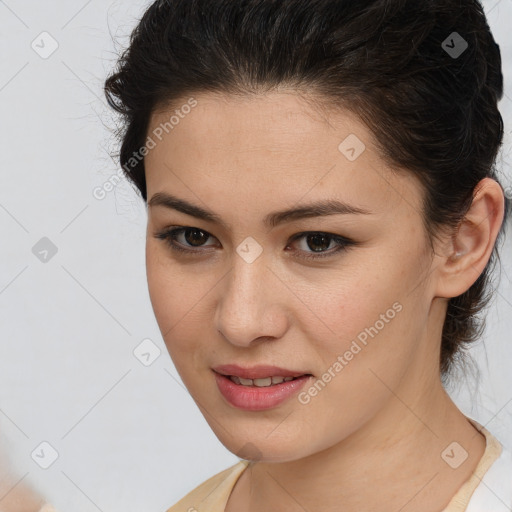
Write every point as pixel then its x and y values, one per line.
pixel 252 398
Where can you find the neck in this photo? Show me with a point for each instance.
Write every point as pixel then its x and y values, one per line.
pixel 396 455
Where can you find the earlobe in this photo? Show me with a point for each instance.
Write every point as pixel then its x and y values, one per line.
pixel 473 242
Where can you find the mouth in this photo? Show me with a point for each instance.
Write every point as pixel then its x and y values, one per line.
pixel 259 376
pixel 262 383
pixel 258 388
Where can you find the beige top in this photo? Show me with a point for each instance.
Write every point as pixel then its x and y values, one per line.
pixel 213 494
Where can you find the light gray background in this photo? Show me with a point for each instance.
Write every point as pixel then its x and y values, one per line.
pixel 129 437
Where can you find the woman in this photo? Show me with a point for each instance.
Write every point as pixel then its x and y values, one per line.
pixel 323 216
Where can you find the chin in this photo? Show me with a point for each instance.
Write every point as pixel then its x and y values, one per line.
pixel 264 449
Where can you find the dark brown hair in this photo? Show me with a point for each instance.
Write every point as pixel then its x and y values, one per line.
pixel 424 76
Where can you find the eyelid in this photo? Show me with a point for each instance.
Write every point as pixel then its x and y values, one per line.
pixel 169 234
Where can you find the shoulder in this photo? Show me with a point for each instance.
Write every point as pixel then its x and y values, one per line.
pixel 212 493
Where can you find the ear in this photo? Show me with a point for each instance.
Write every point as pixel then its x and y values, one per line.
pixel 466 255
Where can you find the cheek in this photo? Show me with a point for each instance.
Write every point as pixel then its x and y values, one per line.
pixel 170 296
pixel 368 354
pixel 367 318
pixel 180 301
pixel 345 303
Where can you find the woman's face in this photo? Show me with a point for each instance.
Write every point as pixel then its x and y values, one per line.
pixel 360 322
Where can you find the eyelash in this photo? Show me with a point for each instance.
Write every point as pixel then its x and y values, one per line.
pixel 169 236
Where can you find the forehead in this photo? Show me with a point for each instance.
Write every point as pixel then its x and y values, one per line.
pixel 275 119
pixel 280 142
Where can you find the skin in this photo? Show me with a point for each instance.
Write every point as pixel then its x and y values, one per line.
pixel 384 420
pixel 18 496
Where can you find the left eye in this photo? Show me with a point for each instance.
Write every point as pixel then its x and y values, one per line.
pixel 318 242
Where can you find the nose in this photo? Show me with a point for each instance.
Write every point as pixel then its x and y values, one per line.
pixel 252 304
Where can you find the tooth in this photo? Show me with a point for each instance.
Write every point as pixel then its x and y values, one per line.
pixel 263 382
pixel 268 381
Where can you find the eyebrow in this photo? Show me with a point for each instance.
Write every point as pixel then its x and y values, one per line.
pixel 316 209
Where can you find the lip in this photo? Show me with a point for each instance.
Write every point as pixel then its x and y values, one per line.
pixel 249 398
pixel 257 372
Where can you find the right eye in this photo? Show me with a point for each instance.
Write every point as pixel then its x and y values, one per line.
pixel 191 236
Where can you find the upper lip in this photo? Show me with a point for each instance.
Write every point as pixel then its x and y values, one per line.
pixel 256 372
